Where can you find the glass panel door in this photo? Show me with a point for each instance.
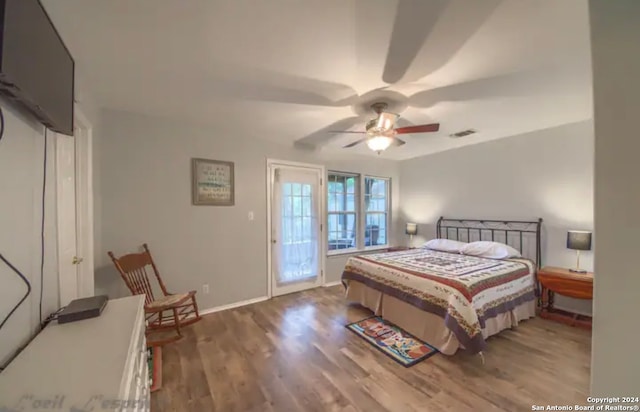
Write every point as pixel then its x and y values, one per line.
pixel 295 229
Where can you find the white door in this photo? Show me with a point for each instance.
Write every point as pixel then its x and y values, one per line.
pixel 296 231
pixel 74 174
pixel 68 260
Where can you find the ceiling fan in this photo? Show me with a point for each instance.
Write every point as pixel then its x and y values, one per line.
pixel 381 132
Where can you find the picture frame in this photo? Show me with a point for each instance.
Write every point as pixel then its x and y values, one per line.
pixel 212 182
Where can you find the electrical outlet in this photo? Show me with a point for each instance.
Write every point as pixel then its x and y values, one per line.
pixel 251 216
pixel 205 289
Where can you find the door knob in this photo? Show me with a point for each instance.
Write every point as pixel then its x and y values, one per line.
pixel 76 260
pixel 273 241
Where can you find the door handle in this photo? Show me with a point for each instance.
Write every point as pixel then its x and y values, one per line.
pixel 274 241
pixel 76 260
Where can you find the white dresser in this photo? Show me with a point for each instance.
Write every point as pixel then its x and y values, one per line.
pixel 97 364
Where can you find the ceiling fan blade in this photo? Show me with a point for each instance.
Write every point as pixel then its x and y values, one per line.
pixel 322 137
pixel 398 142
pixel 345 131
pixel 422 128
pixel 414 21
pixel 443 43
pixel 355 143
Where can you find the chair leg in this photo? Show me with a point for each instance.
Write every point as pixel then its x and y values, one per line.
pixel 176 320
pixel 195 306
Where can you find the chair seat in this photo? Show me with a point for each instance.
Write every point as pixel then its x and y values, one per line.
pixel 168 300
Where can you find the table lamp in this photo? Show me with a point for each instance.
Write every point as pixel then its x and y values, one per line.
pixel 578 240
pixel 411 230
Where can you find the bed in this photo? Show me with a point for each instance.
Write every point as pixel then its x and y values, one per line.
pixel 450 300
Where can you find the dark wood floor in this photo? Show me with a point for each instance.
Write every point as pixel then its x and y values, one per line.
pixel 293 353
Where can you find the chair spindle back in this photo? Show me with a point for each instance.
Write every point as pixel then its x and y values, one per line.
pixel 133 270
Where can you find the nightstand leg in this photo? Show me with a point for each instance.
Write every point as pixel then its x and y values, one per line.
pixel 543 299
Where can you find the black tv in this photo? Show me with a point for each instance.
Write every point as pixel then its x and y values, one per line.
pixel 36 68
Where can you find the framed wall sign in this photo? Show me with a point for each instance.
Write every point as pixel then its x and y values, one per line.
pixel 212 182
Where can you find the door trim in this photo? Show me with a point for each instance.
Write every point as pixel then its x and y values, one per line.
pixel 84 203
pixel 84 209
pixel 323 195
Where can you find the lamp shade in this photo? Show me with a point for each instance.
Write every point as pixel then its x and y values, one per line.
pixel 411 229
pixel 578 240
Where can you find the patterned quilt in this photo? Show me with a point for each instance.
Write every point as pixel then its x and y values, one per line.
pixel 463 290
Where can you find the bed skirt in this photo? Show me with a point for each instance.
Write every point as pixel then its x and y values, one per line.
pixel 427 326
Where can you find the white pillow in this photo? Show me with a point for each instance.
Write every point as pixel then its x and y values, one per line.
pixel 491 250
pixel 444 245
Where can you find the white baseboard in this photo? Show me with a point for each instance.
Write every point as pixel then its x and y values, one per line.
pixel 328 285
pixel 233 305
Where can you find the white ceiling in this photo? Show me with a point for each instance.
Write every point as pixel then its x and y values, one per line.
pixel 290 70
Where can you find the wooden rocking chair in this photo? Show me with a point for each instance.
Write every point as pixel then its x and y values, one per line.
pixel 171 311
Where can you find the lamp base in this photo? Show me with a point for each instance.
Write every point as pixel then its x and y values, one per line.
pixel 577 270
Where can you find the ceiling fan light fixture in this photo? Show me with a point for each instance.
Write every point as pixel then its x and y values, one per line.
pixel 385 121
pixel 379 143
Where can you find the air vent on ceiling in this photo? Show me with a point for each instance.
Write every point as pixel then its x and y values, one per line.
pixel 462 133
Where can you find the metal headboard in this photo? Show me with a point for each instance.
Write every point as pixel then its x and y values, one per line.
pixel 505 231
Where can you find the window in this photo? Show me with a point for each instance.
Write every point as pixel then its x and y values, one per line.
pixel 358 212
pixel 376 206
pixel 342 225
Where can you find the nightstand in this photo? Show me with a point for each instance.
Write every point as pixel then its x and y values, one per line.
pixel 564 282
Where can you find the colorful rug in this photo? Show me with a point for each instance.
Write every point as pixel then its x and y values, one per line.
pixel 154 359
pixel 392 341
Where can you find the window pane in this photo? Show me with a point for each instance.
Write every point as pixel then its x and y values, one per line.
pixel 296 189
pixel 376 232
pixel 306 206
pixel 297 205
pixel 306 229
pixel 340 202
pixel 286 189
pixel 351 185
pixel 380 187
pixel 333 223
pixel 286 205
pixel 331 202
pixel 340 187
pixel 351 224
pixel 371 204
pixel 306 190
pixel 382 237
pixel 351 203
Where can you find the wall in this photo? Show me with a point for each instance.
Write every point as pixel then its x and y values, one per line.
pixel 145 182
pixel 615 32
pixel 21 174
pixel 547 173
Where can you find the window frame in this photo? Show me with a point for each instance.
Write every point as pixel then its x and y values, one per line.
pixel 355 213
pixel 360 213
pixel 387 212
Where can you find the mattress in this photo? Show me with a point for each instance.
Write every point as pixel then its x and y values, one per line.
pixel 472 297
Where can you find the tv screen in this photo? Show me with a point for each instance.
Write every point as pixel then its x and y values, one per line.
pixel 36 68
